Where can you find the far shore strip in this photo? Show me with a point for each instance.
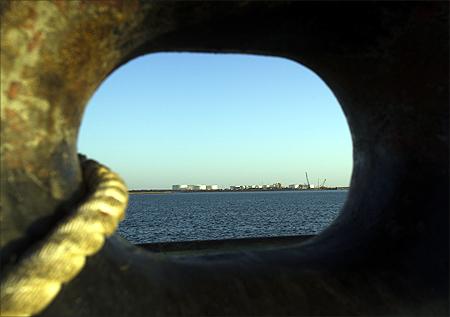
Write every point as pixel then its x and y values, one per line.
pixel 170 191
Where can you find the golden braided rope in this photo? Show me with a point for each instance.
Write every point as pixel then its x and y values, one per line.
pixel 34 282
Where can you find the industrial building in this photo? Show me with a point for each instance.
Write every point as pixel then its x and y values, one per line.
pixel 180 187
pixel 197 187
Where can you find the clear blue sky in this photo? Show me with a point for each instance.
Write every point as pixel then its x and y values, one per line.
pixel 226 119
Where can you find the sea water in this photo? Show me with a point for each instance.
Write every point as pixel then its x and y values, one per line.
pixel 228 215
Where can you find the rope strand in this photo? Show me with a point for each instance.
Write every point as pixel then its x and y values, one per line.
pixel 32 284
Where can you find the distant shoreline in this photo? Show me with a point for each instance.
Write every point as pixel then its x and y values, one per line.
pixel 170 191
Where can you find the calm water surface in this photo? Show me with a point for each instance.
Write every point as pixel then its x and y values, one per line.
pixel 207 216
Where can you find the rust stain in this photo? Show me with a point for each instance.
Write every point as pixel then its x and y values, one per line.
pixel 13 120
pixel 27 71
pixel 34 42
pixel 30 18
pixel 41 173
pixel 12 162
pixel 10 114
pixel 70 72
pixel 13 90
pixel 61 5
pixel 82 5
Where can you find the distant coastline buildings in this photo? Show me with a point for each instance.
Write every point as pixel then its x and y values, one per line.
pixel 237 188
pixel 275 186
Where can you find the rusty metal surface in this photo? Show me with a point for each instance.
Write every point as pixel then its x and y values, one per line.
pixel 387 64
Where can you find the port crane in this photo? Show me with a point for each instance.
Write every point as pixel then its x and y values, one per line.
pixel 323 183
pixel 307 180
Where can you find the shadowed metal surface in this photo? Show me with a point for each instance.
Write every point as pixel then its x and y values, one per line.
pixel 387 64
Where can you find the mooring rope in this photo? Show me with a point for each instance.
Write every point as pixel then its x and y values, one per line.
pixel 30 285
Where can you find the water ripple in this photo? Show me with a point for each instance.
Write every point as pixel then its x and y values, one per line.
pixel 207 216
